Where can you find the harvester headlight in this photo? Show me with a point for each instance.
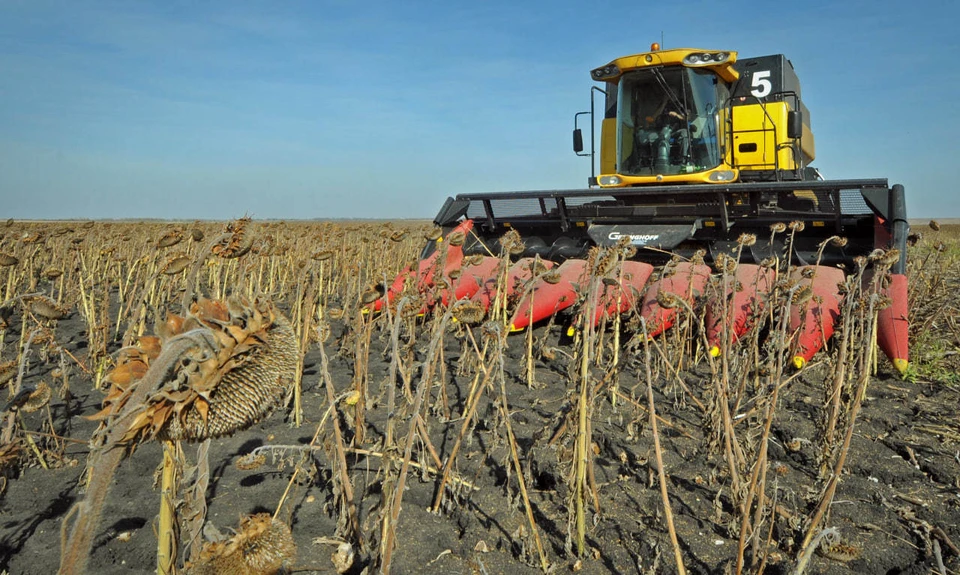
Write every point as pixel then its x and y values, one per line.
pixel 610 180
pixel 705 58
pixel 608 71
pixel 723 176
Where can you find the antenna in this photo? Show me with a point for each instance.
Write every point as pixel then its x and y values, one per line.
pixel 661 40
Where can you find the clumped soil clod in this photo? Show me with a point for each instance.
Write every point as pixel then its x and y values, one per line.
pixel 433 445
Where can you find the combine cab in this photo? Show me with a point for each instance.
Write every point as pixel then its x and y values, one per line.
pixel 703 158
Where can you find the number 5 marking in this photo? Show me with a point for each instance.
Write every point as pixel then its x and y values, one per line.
pixel 760 83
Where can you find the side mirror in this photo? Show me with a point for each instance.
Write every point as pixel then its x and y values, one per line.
pixel 794 124
pixel 577 141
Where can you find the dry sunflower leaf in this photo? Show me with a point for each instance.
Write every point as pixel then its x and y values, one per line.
pixel 8 370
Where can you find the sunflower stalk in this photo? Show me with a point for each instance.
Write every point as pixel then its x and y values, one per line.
pixel 661 473
pixel 166 528
pixel 392 514
pixel 583 459
pixel 505 411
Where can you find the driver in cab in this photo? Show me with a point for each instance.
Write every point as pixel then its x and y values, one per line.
pixel 660 115
pixel 659 123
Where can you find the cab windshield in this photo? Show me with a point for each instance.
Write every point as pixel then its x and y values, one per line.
pixel 667 122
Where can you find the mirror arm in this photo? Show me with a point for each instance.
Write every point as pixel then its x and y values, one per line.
pixel 577 132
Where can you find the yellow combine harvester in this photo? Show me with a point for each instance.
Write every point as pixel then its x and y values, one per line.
pixel 702 155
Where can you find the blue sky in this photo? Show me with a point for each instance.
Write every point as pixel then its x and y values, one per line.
pixel 382 109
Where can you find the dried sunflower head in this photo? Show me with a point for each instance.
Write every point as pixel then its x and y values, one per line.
pixel 474 260
pixel 838 241
pixel 891 257
pixel 724 263
pixel 802 296
pixel 37 398
pixel 175 264
pixel 883 301
pixel 371 295
pixel 667 300
pixel 602 261
pixel 552 277
pixel 537 267
pixel 262 546
pixel 44 307
pixel 238 243
pixel 434 234
pixel 34 238
pixel 171 238
pixel 230 363
pixel 511 243
pixel 469 312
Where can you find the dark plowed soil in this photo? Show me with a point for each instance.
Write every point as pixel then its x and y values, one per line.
pixel 897 500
